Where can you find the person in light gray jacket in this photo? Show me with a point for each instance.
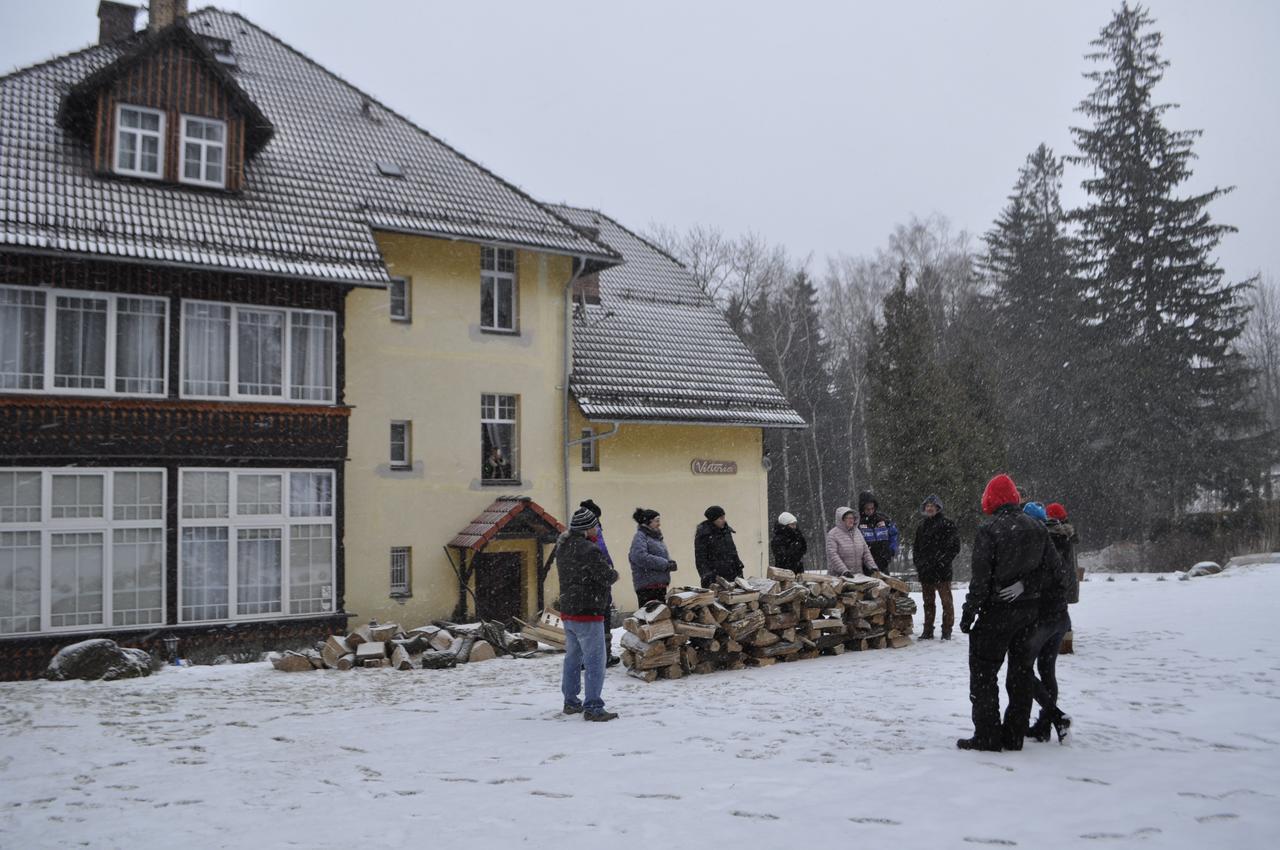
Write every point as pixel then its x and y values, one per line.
pixel 651 564
pixel 847 552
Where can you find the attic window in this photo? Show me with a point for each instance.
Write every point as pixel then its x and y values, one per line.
pixel 387 168
pixel 227 59
pixel 139 136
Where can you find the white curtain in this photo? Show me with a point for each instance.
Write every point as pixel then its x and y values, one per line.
pixel 21 339
pixel 140 345
pixel 206 350
pixel 80 347
pixel 259 569
pixel 311 356
pixel 260 349
pixel 205 590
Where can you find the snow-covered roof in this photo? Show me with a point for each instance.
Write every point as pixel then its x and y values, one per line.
pixel 311 197
pixel 657 349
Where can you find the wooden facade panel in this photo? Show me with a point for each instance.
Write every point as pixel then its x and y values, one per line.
pixel 175 81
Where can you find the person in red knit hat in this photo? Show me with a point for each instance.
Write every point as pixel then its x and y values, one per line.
pixel 1012 558
pixel 1052 625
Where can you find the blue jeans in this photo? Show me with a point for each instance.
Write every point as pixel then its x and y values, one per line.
pixel 583 657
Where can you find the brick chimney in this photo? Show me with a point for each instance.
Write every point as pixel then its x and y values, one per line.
pixel 115 21
pixel 166 12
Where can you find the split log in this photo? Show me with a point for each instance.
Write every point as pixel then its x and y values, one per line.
pixel 662 659
pixel 690 597
pixel 346 662
pixel 383 632
pixel 641 648
pixel 370 650
pixel 779 648
pixel 358 636
pixel 400 659
pixel 739 629
pixel 650 631
pixel 290 662
pixel 643 675
pixel 672 672
pixel 481 650
pixel 434 659
pixel 827 624
pixel 762 637
pixel 653 612
pixel 334 648
pixel 695 630
pixel 779 574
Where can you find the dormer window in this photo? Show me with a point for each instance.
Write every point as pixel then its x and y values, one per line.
pixel 204 151
pixel 139 141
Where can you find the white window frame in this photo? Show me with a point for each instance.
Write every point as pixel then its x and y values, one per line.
pixel 405 462
pixel 106 525
pixel 51 343
pixel 283 522
pixel 514 422
pixel 590 451
pixel 286 382
pixel 490 324
pixel 140 133
pixel 403 587
pixel 205 145
pixel 405 300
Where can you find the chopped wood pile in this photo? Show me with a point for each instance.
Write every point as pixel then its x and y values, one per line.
pixel 433 647
pixel 758 622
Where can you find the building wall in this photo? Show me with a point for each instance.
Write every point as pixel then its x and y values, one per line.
pixel 432 371
pixel 650 466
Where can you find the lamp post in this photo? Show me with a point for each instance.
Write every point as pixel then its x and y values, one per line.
pixel 171 646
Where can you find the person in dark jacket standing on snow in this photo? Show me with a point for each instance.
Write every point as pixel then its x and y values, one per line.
pixel 585 579
pixel 714 552
pixel 936 544
pixel 1012 557
pixel 1053 624
pixel 651 564
pixel 880 532
pixel 788 543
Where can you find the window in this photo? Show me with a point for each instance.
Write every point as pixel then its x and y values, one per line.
pixel 590 460
pixel 497 289
pixel 81 548
pixel 82 343
pixel 204 151
pixel 277 353
pixel 499 461
pixel 139 141
pixel 401 448
pixel 400 570
pixel 398 291
pixel 255 543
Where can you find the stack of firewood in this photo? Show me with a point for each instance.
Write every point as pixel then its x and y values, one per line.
pixel 759 622
pixel 431 647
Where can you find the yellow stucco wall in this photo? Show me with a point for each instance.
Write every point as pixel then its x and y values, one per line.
pixel 432 372
pixel 649 466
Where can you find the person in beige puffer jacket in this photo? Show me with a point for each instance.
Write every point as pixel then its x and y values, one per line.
pixel 847 553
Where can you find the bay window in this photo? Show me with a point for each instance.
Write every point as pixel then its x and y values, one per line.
pixel 257 353
pixel 81 548
pixel 82 343
pixel 255 543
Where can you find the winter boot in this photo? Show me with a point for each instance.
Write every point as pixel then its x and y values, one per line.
pixel 599 716
pixel 570 708
pixel 946 635
pixel 927 634
pixel 1063 727
pixel 978 744
pixel 1040 730
pixel 613 661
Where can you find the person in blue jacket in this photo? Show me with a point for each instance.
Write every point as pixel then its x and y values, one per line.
pixel 880 532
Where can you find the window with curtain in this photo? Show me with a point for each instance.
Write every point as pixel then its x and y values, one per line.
pixel 497 289
pixel 21 338
pixel 499 461
pixel 139 141
pixel 62 341
pixel 260 350
pixel 311 356
pixel 206 349
pixel 98 553
pixel 256 543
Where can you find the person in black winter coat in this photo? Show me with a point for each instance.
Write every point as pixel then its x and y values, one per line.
pixel 585 580
pixel 714 552
pixel 610 659
pixel 936 544
pixel 1053 624
pixel 788 544
pixel 880 532
pixel 1012 560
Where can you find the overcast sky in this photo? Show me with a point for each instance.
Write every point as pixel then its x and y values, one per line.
pixel 819 125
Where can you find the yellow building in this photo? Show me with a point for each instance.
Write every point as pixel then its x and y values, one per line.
pixel 666 411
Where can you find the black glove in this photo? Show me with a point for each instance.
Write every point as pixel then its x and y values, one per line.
pixel 966 623
pixel 671 566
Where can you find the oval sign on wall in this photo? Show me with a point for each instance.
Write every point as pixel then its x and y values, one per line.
pixel 714 467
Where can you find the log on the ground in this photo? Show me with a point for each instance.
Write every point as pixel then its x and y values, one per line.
pixel 291 662
pixel 481 650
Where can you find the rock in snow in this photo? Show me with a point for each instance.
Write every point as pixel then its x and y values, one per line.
pixel 1205 568
pixel 98 659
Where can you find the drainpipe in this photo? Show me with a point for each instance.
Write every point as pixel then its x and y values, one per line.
pixel 579 265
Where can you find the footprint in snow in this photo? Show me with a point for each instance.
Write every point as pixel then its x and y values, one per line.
pixel 1088 779
pixel 1120 836
pixel 656 796
pixel 509 780
pixel 879 821
pixel 1215 818
pixel 1000 842
pixel 756 815
pixel 1003 767
pixel 554 795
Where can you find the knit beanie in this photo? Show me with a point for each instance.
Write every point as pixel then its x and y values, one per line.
pixel 1035 509
pixel 786 518
pixel 583 520
pixel 1000 491
pixel 931 500
pixel 713 513
pixel 644 516
pixel 591 506
pixel 1056 511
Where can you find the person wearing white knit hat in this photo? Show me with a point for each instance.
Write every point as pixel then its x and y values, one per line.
pixel 788 544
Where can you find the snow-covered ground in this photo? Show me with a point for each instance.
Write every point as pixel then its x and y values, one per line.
pixel 1175 690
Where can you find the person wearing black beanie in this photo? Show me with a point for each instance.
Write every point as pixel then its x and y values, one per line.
pixel 714 552
pixel 651 564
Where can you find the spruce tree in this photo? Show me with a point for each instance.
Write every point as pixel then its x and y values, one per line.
pixel 1173 396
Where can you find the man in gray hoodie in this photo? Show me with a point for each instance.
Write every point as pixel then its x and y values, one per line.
pixel 847 551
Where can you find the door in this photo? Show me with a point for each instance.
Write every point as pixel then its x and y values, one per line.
pixel 500 585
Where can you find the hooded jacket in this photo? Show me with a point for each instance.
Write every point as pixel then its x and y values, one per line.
pixel 935 547
pixel 880 532
pixel 1010 547
pixel 651 564
pixel 847 551
pixel 714 553
pixel 585 577
pixel 789 548
pixel 1064 539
